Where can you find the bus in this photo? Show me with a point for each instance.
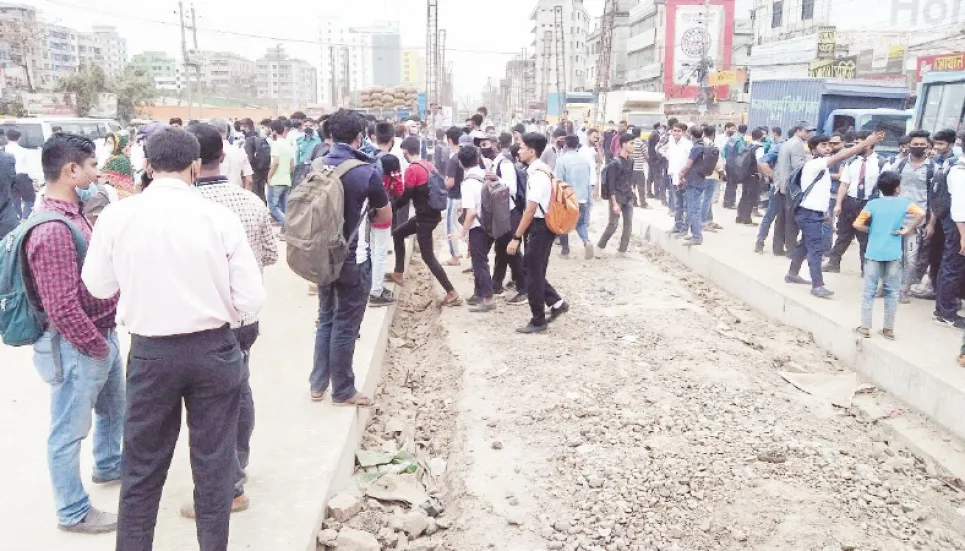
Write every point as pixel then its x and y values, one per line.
pixel 941 101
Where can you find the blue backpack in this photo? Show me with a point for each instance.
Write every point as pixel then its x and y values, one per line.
pixel 22 320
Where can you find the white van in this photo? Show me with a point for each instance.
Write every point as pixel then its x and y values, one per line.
pixel 35 131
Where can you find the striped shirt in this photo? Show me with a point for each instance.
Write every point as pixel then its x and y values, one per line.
pixel 639 155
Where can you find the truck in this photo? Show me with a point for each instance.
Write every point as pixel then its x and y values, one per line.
pixel 831 105
pixel 941 101
pixel 640 109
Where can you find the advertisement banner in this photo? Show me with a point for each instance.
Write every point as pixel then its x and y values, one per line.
pixel 843 67
pixel 941 62
pixel 694 38
pixel 48 103
pixel 727 78
pixel 827 42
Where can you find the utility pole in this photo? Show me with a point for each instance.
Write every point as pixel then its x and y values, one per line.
pixel 546 56
pixel 432 51
pixel 331 84
pixel 560 58
pixel 604 65
pixel 278 79
pixel 705 98
pixel 184 55
pixel 197 67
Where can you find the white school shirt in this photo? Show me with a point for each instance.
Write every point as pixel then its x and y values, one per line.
pixel 472 192
pixel 182 263
pixel 820 196
pixel 677 153
pixel 235 165
pixel 539 187
pixel 507 175
pixel 851 174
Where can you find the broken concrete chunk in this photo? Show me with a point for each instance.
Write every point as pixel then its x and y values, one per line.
pixel 343 507
pixel 414 523
pixel 398 487
pixel 350 539
pixel 327 537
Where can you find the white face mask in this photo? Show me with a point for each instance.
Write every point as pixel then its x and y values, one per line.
pixel 957 151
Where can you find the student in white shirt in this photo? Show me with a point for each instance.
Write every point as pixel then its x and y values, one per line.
pixel 810 214
pixel 235 166
pixel 505 170
pixel 539 238
pixel 480 242
pixel 858 180
pixel 677 151
pixel 186 273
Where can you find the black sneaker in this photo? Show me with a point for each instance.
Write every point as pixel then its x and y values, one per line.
pixel 957 323
pixel 473 300
pixel 557 312
pixel 511 285
pixel 381 300
pixel 831 268
pixel 759 248
pixel 498 290
pixel 520 298
pixel 530 328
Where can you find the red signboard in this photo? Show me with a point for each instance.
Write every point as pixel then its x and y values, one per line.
pixel 693 28
pixel 941 62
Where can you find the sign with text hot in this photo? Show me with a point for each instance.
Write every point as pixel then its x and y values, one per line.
pixel 842 67
pixel 942 62
pixel 827 42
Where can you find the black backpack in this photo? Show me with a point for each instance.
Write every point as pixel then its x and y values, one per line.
pixel 940 203
pixel 795 192
pixel 708 161
pixel 519 199
pixel 262 159
pixel 744 166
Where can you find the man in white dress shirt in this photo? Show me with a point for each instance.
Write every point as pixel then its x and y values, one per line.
pixel 186 273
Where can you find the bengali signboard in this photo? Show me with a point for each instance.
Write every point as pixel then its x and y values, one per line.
pixel 827 42
pixel 842 67
pixel 727 78
pixel 48 103
pixel 941 62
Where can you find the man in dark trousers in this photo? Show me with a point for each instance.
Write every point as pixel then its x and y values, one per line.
pixel 617 191
pixel 8 216
pixel 260 164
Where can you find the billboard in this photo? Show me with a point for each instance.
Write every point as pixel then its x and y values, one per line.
pixel 695 30
pixel 843 67
pixel 48 103
pixel 941 62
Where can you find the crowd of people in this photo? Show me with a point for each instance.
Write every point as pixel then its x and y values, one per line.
pixel 169 233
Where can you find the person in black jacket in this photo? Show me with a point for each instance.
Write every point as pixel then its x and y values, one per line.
pixel 618 192
pixel 259 177
pixel 657 175
pixel 8 216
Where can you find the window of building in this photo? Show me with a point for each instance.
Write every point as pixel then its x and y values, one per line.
pixel 777 14
pixel 807 10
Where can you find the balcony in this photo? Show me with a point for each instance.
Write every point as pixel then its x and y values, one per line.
pixel 647 72
pixel 646 38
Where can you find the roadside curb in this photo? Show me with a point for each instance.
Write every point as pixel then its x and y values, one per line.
pixel 926 391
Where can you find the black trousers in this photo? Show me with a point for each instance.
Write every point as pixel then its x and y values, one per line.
pixel 657 177
pixel 750 197
pixel 779 227
pixel 514 262
pixel 850 209
pixel 480 243
pixel 730 192
pixel 246 336
pixel 640 182
pixel 205 371
pixel 539 245
pixel 626 211
pixel 258 182
pixel 423 231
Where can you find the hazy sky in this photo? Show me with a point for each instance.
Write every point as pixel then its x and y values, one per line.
pixel 481 36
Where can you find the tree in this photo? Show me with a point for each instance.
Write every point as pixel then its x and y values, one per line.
pixel 85 84
pixel 20 40
pixel 134 88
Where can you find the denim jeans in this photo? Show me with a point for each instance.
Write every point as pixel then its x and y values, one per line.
pixel 889 274
pixel 80 384
pixel 810 245
pixel 769 214
pixel 711 189
pixel 277 199
pixel 626 211
pixel 827 230
pixel 379 241
pixel 582 227
pixel 453 209
pixel 341 306
pixel 695 207
pixel 679 209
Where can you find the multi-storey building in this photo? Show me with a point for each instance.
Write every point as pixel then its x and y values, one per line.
pixel 59 54
pixel 413 68
pixel 560 31
pixel 227 73
pixel 20 54
pixel 354 58
pixel 618 48
pixel 292 83
pixel 104 47
pixel 159 67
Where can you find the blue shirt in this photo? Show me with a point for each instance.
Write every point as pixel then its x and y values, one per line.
pixel 887 215
pixel 575 169
pixel 696 154
pixel 360 184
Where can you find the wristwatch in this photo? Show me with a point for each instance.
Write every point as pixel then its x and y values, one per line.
pixel 517 238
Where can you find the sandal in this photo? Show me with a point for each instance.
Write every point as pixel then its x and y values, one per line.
pixel 359 400
pixel 456 301
pixel 888 334
pixel 863 331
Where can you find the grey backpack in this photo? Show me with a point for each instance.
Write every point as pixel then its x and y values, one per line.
pixel 315 215
pixel 494 209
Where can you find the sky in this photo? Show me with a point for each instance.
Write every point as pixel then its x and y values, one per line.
pixel 480 40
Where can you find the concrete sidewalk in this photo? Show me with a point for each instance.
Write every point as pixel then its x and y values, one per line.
pixel 300 450
pixel 919 367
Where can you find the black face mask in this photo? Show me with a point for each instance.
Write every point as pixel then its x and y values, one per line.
pixel 309 132
pixel 917 151
pixel 488 152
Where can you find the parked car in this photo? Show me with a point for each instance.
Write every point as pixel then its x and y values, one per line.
pixel 35 131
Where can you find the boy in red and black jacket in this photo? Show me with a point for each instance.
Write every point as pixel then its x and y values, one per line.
pixel 380 236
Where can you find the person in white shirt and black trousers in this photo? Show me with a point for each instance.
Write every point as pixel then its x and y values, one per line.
pixel 812 210
pixel 539 238
pixel 186 273
pixel 858 185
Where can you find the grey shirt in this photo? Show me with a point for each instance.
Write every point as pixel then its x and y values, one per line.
pixel 914 183
pixel 791 157
pixel 549 156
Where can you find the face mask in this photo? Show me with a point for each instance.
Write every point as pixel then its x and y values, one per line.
pixel 917 151
pixel 488 153
pixel 957 151
pixel 86 194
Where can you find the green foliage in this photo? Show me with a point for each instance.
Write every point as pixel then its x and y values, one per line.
pixel 133 88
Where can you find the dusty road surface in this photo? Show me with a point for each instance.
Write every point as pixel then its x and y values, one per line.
pixel 650 417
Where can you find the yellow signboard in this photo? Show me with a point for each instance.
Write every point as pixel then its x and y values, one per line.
pixel 843 67
pixel 827 42
pixel 727 78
